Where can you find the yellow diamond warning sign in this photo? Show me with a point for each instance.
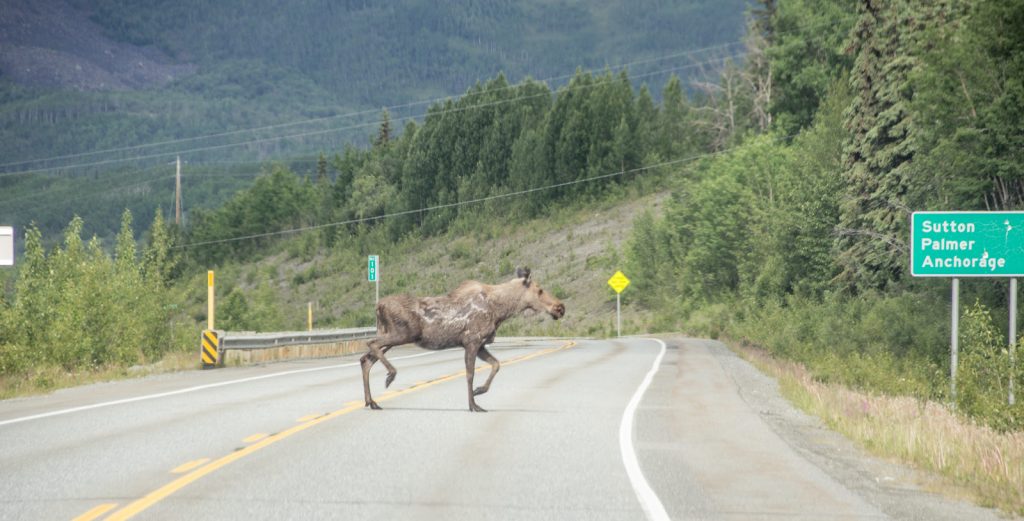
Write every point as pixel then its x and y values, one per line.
pixel 618 282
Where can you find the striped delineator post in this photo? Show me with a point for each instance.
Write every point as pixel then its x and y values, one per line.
pixel 209 349
pixel 209 354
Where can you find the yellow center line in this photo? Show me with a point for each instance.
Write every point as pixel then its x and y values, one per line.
pixel 185 467
pixel 255 437
pixel 163 492
pixel 96 512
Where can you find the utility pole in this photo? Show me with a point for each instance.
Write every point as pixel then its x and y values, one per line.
pixel 177 194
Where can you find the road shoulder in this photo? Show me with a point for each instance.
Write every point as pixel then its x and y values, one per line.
pixel 890 487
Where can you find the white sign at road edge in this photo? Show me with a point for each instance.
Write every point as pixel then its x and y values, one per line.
pixel 6 246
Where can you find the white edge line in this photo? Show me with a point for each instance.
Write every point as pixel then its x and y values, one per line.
pixel 648 499
pixel 188 390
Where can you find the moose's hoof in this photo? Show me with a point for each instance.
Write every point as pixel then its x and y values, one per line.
pixel 373 405
pixel 391 378
pixel 479 390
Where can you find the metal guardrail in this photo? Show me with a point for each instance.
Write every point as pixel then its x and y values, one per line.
pixel 246 340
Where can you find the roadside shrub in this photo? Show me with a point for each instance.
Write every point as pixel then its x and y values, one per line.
pixel 868 342
pixel 80 309
pixel 985 371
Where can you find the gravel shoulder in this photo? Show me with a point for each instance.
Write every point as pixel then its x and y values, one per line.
pixel 890 487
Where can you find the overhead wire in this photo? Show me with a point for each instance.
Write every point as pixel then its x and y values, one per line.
pixel 620 66
pixel 689 53
pixel 466 202
pixel 350 114
pixel 350 127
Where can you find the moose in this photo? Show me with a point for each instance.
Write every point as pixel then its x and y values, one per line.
pixel 467 317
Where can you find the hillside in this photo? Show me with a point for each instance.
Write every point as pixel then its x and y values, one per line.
pixel 781 192
pixel 48 44
pixel 96 96
pixel 571 253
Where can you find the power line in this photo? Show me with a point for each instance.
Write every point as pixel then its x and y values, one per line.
pixel 351 127
pixel 111 191
pixel 465 203
pixel 48 191
pixel 619 66
pixel 399 120
pixel 351 114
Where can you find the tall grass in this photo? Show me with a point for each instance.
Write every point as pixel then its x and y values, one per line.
pixel 896 345
pixel 987 464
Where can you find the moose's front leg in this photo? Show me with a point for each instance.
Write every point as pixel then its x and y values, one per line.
pixel 471 353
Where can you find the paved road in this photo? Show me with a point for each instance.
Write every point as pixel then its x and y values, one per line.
pixel 709 439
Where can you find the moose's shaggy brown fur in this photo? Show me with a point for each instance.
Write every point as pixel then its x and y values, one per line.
pixel 467 317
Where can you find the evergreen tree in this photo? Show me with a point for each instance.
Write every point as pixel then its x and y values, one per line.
pixel 871 243
pixel 158 261
pixel 321 169
pixel 677 136
pixel 759 36
pixel 646 118
pixel 125 247
pixel 972 117
pixel 805 55
pixel 384 130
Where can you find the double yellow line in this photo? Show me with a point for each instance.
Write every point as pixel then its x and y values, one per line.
pixel 154 497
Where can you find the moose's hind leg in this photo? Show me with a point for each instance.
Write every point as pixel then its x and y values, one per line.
pixel 392 372
pixel 486 356
pixel 377 348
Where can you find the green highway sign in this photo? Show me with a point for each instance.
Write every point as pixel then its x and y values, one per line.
pixel 967 244
pixel 371 268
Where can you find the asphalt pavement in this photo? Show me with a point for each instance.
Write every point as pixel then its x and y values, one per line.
pixel 573 432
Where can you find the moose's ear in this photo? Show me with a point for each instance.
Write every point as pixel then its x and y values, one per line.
pixel 523 273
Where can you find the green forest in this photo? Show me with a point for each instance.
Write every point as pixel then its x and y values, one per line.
pixel 791 175
pixel 287 82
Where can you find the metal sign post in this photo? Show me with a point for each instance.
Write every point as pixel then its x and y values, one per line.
pixel 1011 399
pixel 373 273
pixel 954 340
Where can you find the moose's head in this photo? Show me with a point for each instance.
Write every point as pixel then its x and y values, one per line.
pixel 537 299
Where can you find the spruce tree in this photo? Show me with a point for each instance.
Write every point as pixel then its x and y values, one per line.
pixel 871 238
pixel 321 169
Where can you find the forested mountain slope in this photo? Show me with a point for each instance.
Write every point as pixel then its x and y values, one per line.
pixel 97 97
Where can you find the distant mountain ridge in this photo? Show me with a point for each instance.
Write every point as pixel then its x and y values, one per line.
pixel 53 45
pixel 98 97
